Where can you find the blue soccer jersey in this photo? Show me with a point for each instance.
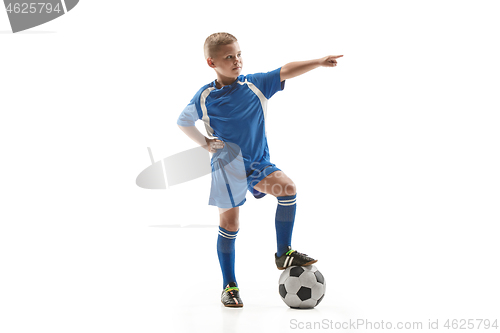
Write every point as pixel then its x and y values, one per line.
pixel 236 114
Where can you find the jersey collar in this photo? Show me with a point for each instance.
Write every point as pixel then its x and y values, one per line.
pixel 213 84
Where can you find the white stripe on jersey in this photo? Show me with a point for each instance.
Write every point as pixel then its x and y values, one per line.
pixel 260 95
pixel 206 118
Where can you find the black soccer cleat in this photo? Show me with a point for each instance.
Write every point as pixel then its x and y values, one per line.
pixel 293 258
pixel 231 296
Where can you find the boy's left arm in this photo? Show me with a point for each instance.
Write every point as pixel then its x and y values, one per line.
pixel 297 68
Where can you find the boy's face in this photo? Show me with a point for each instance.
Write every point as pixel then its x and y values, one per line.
pixel 228 61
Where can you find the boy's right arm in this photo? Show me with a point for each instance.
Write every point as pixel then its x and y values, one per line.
pixel 209 144
pixel 186 123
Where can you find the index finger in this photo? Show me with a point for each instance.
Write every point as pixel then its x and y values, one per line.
pixel 337 56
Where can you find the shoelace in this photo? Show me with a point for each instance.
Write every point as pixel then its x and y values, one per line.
pixel 299 253
pixel 230 289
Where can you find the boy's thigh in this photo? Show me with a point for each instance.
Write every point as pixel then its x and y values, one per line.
pixel 277 184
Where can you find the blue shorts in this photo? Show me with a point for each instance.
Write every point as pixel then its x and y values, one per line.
pixel 258 174
pixel 230 179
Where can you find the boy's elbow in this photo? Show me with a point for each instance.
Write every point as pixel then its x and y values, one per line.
pixel 185 127
pixel 282 74
pixel 285 73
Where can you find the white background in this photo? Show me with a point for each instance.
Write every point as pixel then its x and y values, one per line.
pixel 395 153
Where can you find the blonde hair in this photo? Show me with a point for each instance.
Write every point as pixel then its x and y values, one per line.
pixel 213 42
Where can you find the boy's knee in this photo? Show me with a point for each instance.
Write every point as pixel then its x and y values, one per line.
pixel 290 189
pixel 229 218
pixel 229 223
pixel 284 189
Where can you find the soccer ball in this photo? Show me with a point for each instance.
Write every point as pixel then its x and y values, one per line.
pixel 302 286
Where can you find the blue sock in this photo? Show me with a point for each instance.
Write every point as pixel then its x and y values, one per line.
pixel 285 216
pixel 225 252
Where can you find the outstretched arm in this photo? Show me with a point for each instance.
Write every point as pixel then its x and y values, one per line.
pixel 297 68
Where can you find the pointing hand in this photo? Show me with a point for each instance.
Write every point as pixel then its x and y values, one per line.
pixel 330 61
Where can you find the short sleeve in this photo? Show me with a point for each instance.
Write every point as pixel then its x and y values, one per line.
pixel 269 83
pixel 189 116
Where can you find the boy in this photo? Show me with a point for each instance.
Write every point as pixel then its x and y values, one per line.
pixel 233 108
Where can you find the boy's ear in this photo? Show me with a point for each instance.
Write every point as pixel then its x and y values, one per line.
pixel 210 62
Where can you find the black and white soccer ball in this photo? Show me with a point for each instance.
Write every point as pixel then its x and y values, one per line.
pixel 302 286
